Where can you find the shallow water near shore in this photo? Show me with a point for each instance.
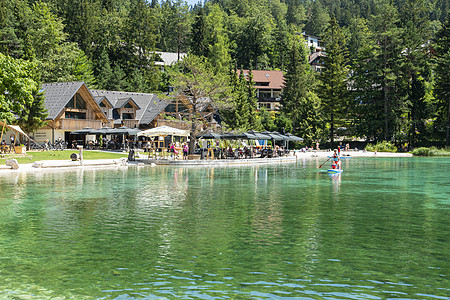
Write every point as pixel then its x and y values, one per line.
pixel 379 230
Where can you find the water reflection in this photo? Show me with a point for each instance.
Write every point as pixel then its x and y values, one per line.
pixel 260 231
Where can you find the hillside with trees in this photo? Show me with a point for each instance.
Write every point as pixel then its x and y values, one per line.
pixel 385 74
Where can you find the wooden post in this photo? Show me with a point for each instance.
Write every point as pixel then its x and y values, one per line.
pixel 1 136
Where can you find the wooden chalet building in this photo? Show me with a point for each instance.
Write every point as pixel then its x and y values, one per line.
pixel 72 106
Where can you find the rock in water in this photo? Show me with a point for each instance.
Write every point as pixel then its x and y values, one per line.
pixel 12 163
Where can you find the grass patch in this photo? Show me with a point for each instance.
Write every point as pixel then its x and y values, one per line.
pixel 33 156
pixel 432 151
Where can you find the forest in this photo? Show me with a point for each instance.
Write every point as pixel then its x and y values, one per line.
pixel 385 77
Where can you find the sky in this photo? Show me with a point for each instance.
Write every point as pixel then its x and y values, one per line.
pixel 192 2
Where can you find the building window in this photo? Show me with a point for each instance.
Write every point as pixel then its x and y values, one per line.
pixel 170 108
pixel 128 105
pixel 102 104
pixel 127 116
pixel 75 115
pixel 77 102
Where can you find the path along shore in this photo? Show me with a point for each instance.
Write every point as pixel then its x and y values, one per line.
pixel 41 166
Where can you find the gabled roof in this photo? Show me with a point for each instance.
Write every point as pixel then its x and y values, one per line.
pixel 99 99
pixel 275 79
pixel 150 105
pixel 315 56
pixel 57 95
pixel 123 101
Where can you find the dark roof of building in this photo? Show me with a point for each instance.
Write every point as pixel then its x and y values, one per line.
pixel 150 104
pixel 99 99
pixel 123 101
pixel 315 56
pixel 57 95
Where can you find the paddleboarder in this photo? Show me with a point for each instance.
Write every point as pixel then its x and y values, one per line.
pixel 335 160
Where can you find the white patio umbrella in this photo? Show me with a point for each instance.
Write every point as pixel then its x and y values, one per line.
pixel 163 131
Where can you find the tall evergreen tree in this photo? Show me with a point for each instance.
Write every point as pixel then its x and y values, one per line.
pixel 442 81
pixel 333 80
pixel 11 37
pixel 300 103
pixel 218 52
pixel 377 97
pixel 104 71
pixel 254 121
pixel 415 23
pixel 33 116
pixel 318 19
pixel 198 44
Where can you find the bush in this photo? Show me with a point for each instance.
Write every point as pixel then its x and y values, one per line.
pixel 383 146
pixel 432 151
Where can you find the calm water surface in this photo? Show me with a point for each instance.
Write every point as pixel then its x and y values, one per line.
pixel 380 230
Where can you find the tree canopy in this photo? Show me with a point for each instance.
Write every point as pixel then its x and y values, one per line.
pixel 394 75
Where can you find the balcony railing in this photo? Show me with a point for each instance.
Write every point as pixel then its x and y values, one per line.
pixel 75 124
pixel 130 123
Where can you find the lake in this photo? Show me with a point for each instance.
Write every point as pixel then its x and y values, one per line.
pixel 379 230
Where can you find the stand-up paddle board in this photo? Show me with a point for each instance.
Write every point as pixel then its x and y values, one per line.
pixel 334 171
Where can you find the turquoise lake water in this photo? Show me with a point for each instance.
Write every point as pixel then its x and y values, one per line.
pixel 380 230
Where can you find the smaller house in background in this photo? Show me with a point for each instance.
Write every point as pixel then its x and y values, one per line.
pixel 316 61
pixel 312 42
pixel 163 59
pixel 268 85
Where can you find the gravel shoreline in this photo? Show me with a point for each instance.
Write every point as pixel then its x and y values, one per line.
pixel 102 163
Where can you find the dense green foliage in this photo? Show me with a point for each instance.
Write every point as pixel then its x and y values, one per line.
pixel 432 151
pixel 383 146
pixel 391 84
pixel 20 95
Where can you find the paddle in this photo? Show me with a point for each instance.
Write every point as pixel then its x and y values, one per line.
pixel 324 162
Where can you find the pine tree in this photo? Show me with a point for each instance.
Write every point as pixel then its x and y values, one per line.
pixel 242 109
pixel 11 37
pixel 377 100
pixel 104 71
pixel 254 121
pixel 198 44
pixel 317 20
pixel 33 116
pixel 300 104
pixel 442 80
pixel 118 79
pixel 414 19
pixel 333 80
pixel 218 52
